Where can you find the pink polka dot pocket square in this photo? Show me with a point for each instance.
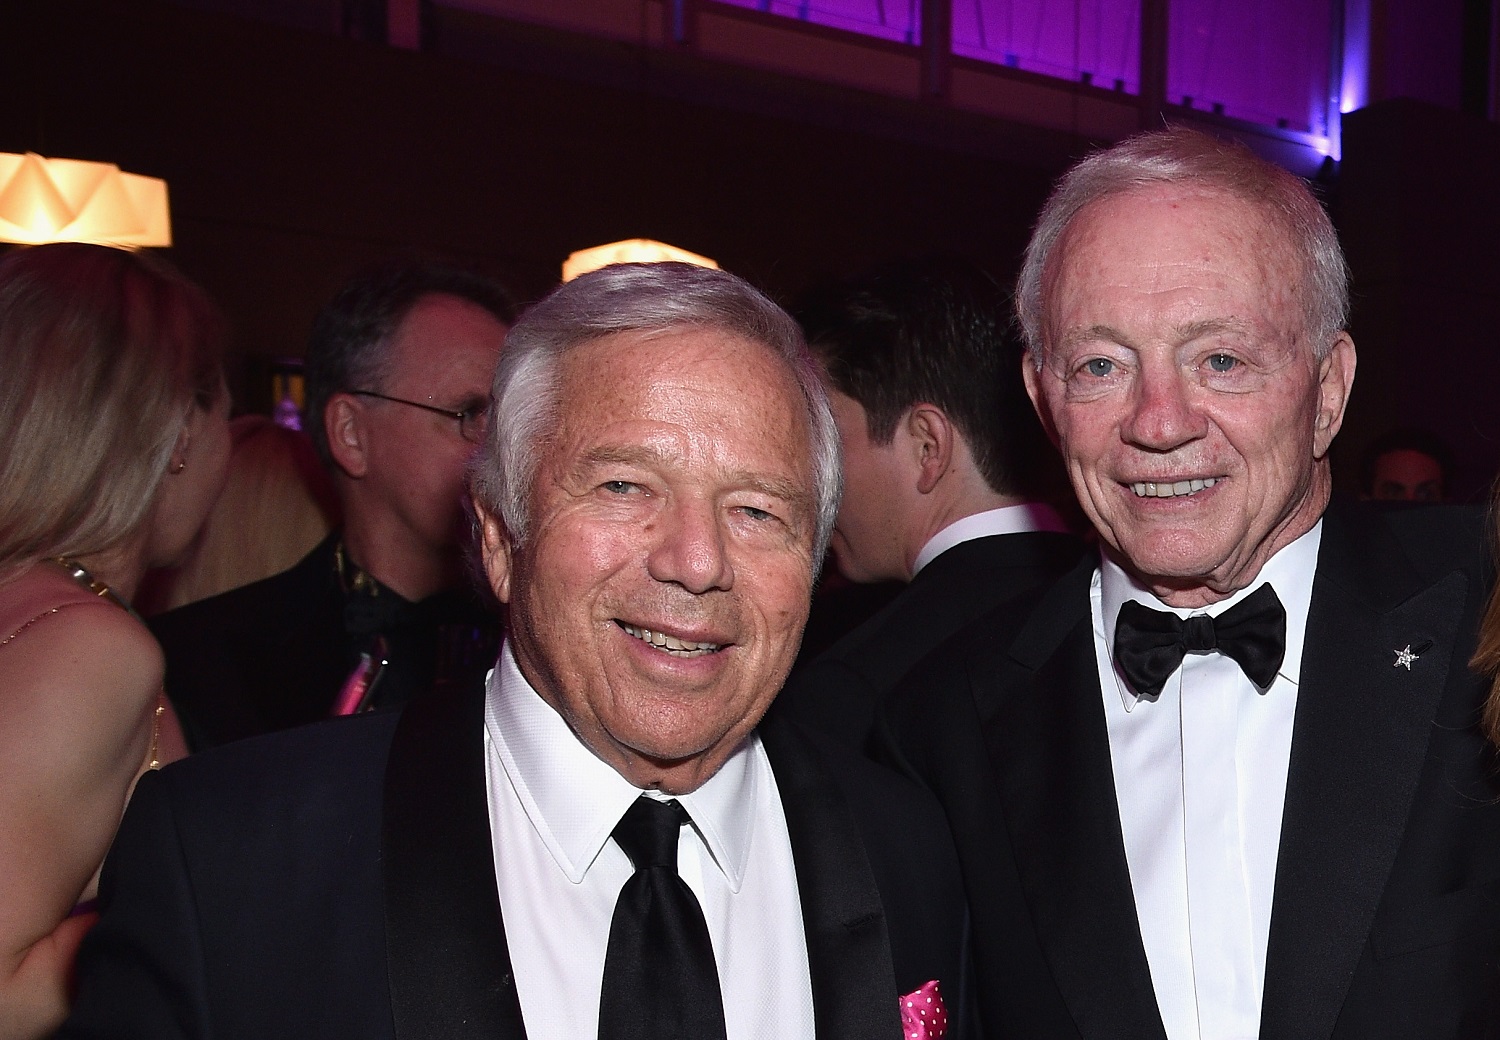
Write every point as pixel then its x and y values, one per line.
pixel 923 1016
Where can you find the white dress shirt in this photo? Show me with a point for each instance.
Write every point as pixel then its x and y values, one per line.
pixel 1200 776
pixel 552 807
pixel 1021 519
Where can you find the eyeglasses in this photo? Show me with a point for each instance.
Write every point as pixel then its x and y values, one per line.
pixel 472 421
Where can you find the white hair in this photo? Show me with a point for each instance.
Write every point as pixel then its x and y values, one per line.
pixel 650 298
pixel 1185 157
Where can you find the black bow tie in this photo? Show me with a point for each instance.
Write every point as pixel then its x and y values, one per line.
pixel 1150 644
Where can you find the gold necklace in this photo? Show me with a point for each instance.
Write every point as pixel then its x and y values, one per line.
pixel 80 574
pixel 77 572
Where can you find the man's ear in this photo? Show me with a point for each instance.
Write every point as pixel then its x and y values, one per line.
pixel 494 551
pixel 1335 380
pixel 930 435
pixel 348 439
pixel 1032 376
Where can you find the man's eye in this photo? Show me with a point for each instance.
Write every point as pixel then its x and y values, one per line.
pixel 1098 367
pixel 757 514
pixel 619 487
pixel 1222 362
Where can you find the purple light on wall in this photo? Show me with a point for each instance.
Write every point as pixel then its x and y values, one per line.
pixel 897 20
pixel 1273 62
pixel 1354 91
pixel 1268 62
pixel 1096 41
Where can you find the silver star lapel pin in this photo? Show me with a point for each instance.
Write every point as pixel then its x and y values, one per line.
pixel 1406 655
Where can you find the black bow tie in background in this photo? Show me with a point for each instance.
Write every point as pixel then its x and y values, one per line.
pixel 1150 644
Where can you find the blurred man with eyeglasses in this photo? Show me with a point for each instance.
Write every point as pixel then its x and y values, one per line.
pixel 398 372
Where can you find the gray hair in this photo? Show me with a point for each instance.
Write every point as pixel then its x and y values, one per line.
pixel 1179 156
pixel 648 298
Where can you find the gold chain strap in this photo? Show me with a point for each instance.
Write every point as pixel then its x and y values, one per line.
pixel 77 572
pixel 43 614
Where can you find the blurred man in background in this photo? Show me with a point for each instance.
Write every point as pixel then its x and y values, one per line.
pixel 945 466
pixel 398 374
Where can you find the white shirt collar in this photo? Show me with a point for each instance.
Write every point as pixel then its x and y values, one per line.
pixel 574 799
pixel 1290 573
pixel 1021 519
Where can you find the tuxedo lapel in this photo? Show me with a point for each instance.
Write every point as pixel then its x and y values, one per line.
pixel 1050 751
pixel 853 980
pixel 1358 745
pixel 450 972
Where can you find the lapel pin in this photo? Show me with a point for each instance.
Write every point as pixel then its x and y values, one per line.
pixel 1405 657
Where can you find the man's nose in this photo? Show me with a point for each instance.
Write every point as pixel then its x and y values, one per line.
pixel 691 548
pixel 1163 415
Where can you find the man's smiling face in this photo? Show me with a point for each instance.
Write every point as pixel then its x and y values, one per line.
pixel 1180 385
pixel 659 600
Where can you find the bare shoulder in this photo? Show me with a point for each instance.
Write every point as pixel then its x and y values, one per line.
pixel 77 686
pixel 83 638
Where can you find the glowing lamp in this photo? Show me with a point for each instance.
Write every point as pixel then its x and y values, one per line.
pixel 630 251
pixel 69 200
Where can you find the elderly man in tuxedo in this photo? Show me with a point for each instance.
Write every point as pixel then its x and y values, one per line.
pixel 1224 779
pixel 603 842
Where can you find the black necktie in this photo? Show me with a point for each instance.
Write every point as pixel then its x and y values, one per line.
pixel 660 981
pixel 1150 644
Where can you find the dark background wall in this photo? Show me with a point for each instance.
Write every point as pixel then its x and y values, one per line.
pixel 294 157
pixel 1418 209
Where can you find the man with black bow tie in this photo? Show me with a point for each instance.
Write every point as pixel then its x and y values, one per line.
pixel 603 842
pixel 1224 780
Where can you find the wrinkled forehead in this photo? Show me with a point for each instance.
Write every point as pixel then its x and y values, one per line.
pixel 697 378
pixel 1130 238
pixel 637 356
pixel 1120 216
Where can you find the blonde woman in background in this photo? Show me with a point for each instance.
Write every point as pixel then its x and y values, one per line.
pixel 113 441
pixel 277 504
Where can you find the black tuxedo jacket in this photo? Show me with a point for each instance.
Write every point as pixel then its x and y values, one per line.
pixel 1386 913
pixel 338 881
pixel 838 691
pixel 275 653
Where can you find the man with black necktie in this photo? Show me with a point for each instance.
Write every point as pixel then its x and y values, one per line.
pixel 1224 780
pixel 604 842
